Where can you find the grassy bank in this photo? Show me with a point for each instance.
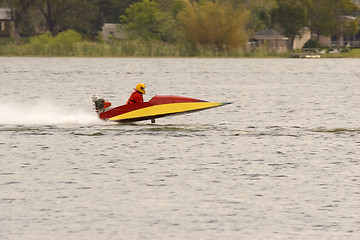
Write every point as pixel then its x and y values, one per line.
pixel 73 46
pixel 353 53
pixel 134 48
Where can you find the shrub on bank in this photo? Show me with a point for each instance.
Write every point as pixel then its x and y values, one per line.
pixel 70 43
pixel 312 43
pixel 62 44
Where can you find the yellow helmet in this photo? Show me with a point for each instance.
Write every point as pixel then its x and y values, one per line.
pixel 140 88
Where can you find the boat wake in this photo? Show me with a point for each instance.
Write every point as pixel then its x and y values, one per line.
pixel 44 114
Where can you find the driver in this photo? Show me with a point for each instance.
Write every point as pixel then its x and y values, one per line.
pixel 137 95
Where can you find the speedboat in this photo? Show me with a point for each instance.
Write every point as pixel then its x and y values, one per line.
pixel 158 106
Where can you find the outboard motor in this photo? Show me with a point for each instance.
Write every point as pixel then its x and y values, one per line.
pixel 100 105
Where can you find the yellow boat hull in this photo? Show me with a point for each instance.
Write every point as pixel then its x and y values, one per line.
pixel 162 110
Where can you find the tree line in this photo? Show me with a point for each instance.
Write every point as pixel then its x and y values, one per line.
pixel 214 23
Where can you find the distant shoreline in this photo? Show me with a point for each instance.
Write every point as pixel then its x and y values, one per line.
pixel 138 49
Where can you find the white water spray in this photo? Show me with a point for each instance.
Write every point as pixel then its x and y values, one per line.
pixel 44 114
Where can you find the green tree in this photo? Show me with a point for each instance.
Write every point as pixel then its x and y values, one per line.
pixel 215 24
pixel 110 10
pixel 20 10
pixel 146 20
pixel 260 12
pixel 52 11
pixel 329 17
pixel 351 26
pixel 165 5
pixel 291 15
pixel 60 15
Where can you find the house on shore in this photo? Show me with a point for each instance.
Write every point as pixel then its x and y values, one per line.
pixel 269 39
pixel 275 42
pixel 112 30
pixel 7 27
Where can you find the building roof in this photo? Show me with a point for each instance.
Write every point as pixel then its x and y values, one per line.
pixel 114 30
pixel 269 34
pixel 5 13
pixel 110 25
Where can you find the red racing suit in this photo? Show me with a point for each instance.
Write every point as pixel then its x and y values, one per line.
pixel 135 97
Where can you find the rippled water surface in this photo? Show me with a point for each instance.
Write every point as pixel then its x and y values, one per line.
pixel 281 162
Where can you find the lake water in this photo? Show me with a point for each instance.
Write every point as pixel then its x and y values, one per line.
pixel 281 162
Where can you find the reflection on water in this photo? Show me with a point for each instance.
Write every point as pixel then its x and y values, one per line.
pixel 281 162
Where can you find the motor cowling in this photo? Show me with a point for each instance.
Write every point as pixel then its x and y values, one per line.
pixel 100 105
pixel 107 104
